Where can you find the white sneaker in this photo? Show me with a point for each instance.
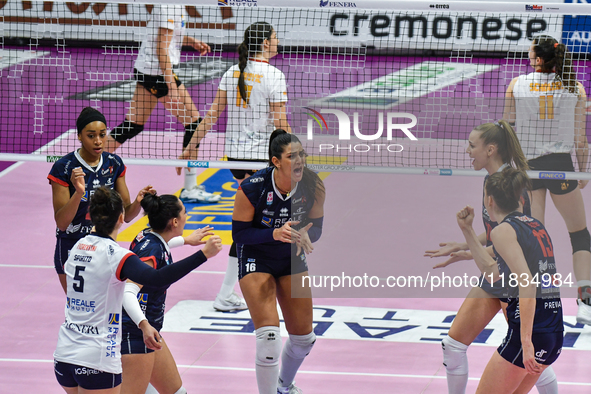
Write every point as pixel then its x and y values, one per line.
pixel 198 195
pixel 232 303
pixel 584 313
pixel 292 389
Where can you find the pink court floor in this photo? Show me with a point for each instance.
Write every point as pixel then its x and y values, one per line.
pixel 365 345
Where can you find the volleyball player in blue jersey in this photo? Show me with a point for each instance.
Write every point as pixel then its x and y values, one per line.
pixel 534 311
pixel 491 146
pixel 142 321
pixel 277 206
pixel 74 179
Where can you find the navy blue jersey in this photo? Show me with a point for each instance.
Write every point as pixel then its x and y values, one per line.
pixel 109 168
pixel 273 210
pixel 150 246
pixel 489 224
pixel 539 254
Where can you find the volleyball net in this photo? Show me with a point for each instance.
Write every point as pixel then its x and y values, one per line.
pixel 372 85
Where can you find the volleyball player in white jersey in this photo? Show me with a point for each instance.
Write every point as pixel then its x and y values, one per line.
pixel 548 108
pixel 159 53
pixel 254 93
pixel 88 353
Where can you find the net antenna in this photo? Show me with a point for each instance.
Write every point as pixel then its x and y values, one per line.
pixel 378 86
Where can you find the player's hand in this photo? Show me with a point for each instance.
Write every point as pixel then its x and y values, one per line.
pixel 583 183
pixel 465 217
pixel 304 241
pixel 77 179
pixel 455 257
pixel 286 233
pixel 196 237
pixel 212 246
pixel 201 47
pixel 445 249
pixel 188 154
pixel 146 190
pixel 151 336
pixel 529 361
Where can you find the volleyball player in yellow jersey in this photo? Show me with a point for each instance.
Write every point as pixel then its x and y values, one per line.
pixel 548 108
pixel 254 94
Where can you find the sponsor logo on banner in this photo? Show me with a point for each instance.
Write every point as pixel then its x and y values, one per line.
pixel 576 31
pixel 200 164
pixel 552 175
pixel 237 3
pixel 439 6
pixel 338 4
pixel 356 323
pixel 534 8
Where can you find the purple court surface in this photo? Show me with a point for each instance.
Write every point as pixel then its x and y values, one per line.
pixel 367 342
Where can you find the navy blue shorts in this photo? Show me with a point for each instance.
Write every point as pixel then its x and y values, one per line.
pixel 70 375
pixel 547 347
pixel 553 162
pixel 277 268
pixel 62 251
pixel 131 343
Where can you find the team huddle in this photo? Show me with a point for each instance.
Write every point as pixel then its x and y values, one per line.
pixel 115 303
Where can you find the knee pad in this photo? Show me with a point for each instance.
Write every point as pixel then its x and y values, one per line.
pixel 546 377
pixel 454 356
pixel 580 240
pixel 189 131
pixel 182 390
pixel 299 346
pixel 268 346
pixel 125 131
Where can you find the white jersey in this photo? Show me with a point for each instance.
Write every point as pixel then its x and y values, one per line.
pixel 250 125
pixel 91 333
pixel 171 17
pixel 545 115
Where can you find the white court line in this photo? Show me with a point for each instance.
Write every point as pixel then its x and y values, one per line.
pixel 51 266
pixel 330 373
pixel 42 149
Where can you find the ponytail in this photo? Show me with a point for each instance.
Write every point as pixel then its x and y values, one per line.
pixel 105 208
pixel 506 188
pixel 557 59
pixel 504 137
pixel 254 36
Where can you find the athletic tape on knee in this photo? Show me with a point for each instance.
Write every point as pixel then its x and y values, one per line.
pixel 126 131
pixel 299 346
pixel 189 131
pixel 268 346
pixel 454 356
pixel 182 390
pixel 546 377
pixel 580 240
